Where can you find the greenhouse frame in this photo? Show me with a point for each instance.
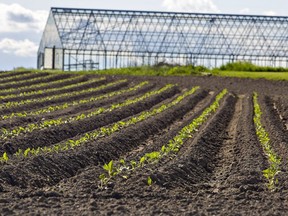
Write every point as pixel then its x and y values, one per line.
pixel 90 39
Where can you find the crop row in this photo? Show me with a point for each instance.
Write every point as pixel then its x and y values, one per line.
pixel 28 80
pixel 39 92
pixel 41 85
pixel 60 121
pixel 7 79
pixel 11 73
pixel 274 160
pixel 55 108
pixel 172 147
pixel 11 104
pixel 105 130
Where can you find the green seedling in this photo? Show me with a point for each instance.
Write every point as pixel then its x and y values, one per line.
pixel 26 152
pixel 270 175
pixel 149 181
pixel 109 168
pixel 105 131
pixel 175 143
pixel 142 161
pixel 153 157
pixel 122 162
pixel 133 164
pixel 5 157
pixel 103 180
pixel 274 169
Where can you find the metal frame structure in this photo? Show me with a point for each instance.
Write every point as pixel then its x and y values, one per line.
pixel 82 39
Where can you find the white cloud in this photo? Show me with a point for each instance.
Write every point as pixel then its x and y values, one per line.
pixel 23 48
pixel 269 13
pixel 200 6
pixel 245 11
pixel 15 18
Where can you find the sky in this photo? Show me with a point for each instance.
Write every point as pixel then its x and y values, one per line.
pixel 22 21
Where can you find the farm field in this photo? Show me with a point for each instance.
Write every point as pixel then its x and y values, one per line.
pixel 133 145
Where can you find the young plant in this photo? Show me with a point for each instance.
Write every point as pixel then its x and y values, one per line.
pixel 275 161
pixel 111 170
pixel 55 122
pixel 57 96
pixel 40 85
pixel 175 144
pixel 149 181
pixel 105 131
pixel 4 157
pixel 51 90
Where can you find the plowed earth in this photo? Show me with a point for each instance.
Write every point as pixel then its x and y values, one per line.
pixel 218 171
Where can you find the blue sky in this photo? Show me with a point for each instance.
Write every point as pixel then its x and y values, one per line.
pixel 22 21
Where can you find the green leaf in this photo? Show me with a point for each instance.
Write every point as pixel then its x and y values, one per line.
pixel 5 157
pixel 26 152
pixel 142 159
pixel 133 164
pixel 102 176
pixel 122 161
pixel 109 168
pixel 149 181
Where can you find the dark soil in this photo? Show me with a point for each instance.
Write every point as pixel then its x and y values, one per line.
pixel 49 86
pixel 45 76
pixel 218 171
pixel 53 135
pixel 37 105
pixel 11 74
pixel 73 110
pixel 23 77
pixel 45 94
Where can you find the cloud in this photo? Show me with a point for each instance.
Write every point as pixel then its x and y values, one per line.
pixel 15 18
pixel 269 13
pixel 22 48
pixel 200 6
pixel 245 11
pixel 22 18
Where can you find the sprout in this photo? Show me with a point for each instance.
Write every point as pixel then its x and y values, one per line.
pixel 149 181
pixel 271 172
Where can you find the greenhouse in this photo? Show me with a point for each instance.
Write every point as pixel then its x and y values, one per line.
pixel 89 39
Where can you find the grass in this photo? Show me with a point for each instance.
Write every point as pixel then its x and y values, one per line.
pixel 165 70
pixel 236 69
pixel 244 69
pixel 253 75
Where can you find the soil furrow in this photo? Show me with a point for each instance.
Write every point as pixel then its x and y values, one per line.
pixel 31 106
pixel 281 107
pixel 218 171
pixel 205 186
pixel 48 86
pixel 188 108
pixel 50 136
pixel 63 165
pixel 8 81
pixel 227 154
pixel 197 104
pixel 73 110
pixel 55 92
pixel 10 74
pixel 249 159
pixel 46 78
pixel 278 136
pixel 196 164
